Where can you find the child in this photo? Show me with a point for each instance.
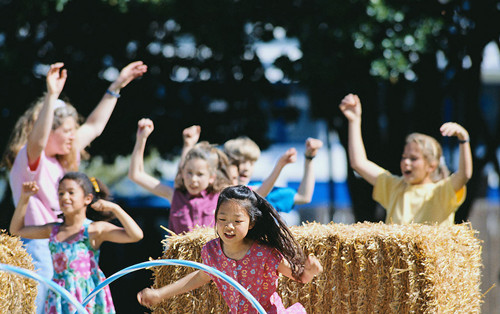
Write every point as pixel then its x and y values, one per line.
pixel 46 142
pixel 74 244
pixel 424 193
pixel 203 174
pixel 243 152
pixel 253 246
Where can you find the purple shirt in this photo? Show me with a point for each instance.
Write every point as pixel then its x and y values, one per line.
pixel 187 211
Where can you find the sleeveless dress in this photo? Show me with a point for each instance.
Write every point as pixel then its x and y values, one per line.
pixel 76 268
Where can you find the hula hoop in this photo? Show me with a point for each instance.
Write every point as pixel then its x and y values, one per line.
pixel 52 285
pixel 176 262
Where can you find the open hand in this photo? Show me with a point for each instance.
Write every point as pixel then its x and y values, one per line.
pixel 56 78
pixel 30 188
pixel 130 73
pixel 454 129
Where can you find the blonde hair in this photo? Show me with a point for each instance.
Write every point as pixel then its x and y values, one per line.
pixel 24 125
pixel 217 163
pixel 241 148
pixel 432 152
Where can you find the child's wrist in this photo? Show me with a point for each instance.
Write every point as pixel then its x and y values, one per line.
pixel 309 156
pixel 467 140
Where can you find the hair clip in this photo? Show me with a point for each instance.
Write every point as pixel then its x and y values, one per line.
pixel 95 184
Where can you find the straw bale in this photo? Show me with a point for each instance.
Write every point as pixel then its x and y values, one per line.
pixel 368 268
pixel 17 293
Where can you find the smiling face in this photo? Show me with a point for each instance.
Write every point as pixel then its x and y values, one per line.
pixel 61 139
pixel 414 166
pixel 232 222
pixel 72 198
pixel 197 176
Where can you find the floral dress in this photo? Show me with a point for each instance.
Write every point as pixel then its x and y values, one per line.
pixel 76 268
pixel 257 272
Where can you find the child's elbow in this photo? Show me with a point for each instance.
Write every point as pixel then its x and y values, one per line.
pixel 138 236
pixel 132 175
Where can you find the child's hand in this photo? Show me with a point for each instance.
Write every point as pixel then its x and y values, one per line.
pixel 312 146
pixel 30 188
pixel 454 129
pixel 290 156
pixel 144 128
pixel 104 206
pixel 129 73
pixel 148 297
pixel 351 107
pixel 191 135
pixel 313 266
pixel 56 78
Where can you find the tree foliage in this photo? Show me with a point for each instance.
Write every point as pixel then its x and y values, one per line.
pixel 415 64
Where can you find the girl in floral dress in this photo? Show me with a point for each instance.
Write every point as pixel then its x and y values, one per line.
pixel 253 246
pixel 74 244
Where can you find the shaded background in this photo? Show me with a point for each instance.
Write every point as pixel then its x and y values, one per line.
pixel 415 65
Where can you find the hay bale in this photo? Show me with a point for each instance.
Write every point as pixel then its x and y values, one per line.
pixel 17 293
pixel 372 268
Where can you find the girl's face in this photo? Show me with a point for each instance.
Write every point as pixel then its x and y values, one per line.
pixel 72 198
pixel 414 167
pixel 197 176
pixel 61 139
pixel 232 222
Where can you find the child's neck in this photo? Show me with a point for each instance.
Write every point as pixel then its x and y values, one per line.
pixel 70 228
pixel 237 251
pixel 74 221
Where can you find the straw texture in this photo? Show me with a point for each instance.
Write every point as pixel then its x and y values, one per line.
pixel 17 293
pixel 368 268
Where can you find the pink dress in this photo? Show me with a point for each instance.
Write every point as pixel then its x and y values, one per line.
pixel 257 272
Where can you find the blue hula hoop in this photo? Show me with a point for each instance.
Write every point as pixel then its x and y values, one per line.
pixel 176 262
pixel 52 285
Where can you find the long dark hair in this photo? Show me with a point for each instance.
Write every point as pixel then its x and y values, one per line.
pixel 269 228
pixel 91 186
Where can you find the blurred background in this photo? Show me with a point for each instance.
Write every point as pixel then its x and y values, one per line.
pixel 274 71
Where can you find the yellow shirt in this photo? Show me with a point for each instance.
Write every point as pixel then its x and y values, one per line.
pixel 422 203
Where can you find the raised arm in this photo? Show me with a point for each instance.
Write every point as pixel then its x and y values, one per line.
pixel 17 226
pixel 306 188
pixel 104 231
pixel 290 156
pixel 351 108
pixel 190 137
pixel 464 172
pixel 150 297
pixel 98 118
pixel 136 171
pixel 37 139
